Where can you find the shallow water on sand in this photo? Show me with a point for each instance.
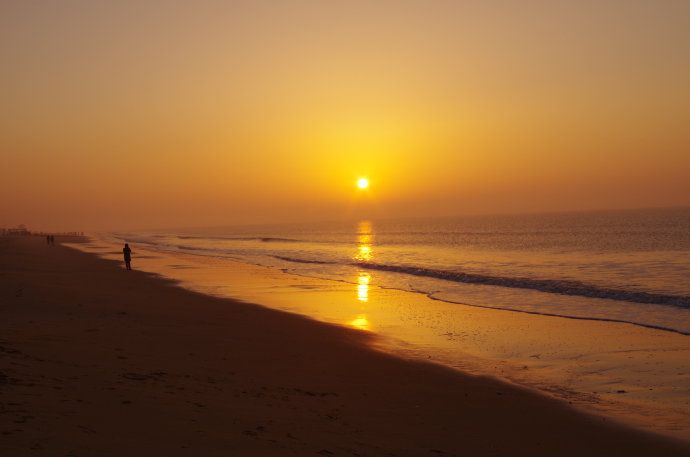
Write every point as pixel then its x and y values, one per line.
pixel 633 374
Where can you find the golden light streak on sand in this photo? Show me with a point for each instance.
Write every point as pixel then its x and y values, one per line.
pixel 361 322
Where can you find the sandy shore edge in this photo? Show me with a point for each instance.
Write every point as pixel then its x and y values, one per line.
pixel 97 361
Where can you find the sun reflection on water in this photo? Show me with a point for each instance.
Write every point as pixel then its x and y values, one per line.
pixel 365 236
pixel 363 253
pixel 363 286
pixel 361 322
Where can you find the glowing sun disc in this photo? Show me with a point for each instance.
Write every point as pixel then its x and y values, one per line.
pixel 363 183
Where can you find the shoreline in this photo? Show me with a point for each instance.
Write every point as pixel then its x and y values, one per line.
pixel 623 372
pixel 102 361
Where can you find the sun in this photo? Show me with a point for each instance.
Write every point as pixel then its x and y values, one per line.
pixel 363 183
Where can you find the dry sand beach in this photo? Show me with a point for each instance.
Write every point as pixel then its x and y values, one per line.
pixel 99 361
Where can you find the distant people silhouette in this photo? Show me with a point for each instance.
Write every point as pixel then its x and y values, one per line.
pixel 128 256
pixel 52 240
pixel 47 239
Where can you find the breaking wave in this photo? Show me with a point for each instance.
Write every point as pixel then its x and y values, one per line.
pixel 554 286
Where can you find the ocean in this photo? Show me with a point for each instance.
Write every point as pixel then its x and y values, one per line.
pixel 625 266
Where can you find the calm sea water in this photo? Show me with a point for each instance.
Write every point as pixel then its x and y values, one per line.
pixel 628 266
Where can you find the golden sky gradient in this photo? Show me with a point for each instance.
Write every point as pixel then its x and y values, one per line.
pixel 149 113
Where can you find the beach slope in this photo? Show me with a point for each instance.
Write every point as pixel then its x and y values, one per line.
pixel 99 361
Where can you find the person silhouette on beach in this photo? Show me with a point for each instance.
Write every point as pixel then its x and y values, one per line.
pixel 128 256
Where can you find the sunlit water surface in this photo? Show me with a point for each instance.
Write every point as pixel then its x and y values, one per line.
pixel 592 308
pixel 629 266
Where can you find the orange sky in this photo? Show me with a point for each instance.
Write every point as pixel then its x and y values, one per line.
pixel 163 113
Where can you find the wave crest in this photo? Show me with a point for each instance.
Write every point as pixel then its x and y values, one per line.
pixel 292 259
pixel 554 286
